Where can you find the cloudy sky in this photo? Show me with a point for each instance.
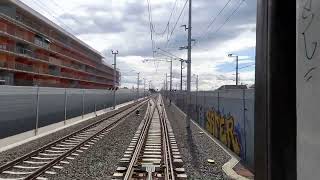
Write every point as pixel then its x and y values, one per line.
pixel 124 25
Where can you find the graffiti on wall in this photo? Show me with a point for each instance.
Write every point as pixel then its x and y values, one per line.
pixel 224 128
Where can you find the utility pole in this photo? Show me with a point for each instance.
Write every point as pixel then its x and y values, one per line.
pixel 237 67
pixel 164 85
pixel 171 74
pixel 189 66
pixel 114 76
pixel 189 47
pixel 237 70
pixel 144 86
pixel 197 83
pixel 138 82
pixel 166 82
pixel 181 61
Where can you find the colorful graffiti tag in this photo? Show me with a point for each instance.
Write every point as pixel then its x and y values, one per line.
pixel 223 128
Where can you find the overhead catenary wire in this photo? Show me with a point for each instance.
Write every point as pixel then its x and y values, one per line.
pixel 153 32
pixel 226 20
pixel 173 44
pixel 150 26
pixel 51 13
pixel 170 17
pixel 246 66
pixel 167 28
pixel 60 7
pixel 230 16
pixel 214 19
pixel 175 25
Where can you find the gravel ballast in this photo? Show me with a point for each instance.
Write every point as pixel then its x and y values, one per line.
pixel 101 160
pixel 196 148
pixel 18 151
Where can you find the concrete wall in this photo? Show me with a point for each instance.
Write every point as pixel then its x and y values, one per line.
pixel 18 105
pixel 226 114
pixel 308 88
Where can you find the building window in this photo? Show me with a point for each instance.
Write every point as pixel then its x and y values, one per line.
pixel 42 41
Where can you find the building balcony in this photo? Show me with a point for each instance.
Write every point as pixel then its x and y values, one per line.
pixel 46 59
pixel 20 67
pixel 53 49
pixel 32 28
pixel 24 67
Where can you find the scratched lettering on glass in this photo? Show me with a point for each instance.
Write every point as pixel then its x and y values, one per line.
pixel 310 44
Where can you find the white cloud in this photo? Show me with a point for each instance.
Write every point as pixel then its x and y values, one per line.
pixel 124 25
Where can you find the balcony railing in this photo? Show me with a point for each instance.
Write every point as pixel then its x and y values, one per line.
pixel 24 67
pixel 24 51
pixel 29 53
pixel 15 31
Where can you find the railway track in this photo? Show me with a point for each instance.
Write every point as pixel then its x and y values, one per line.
pixel 41 163
pixel 153 152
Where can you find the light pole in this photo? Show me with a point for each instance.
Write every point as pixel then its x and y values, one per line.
pixel 189 48
pixel 171 74
pixel 144 86
pixel 237 67
pixel 114 76
pixel 197 89
pixel 166 82
pixel 181 61
pixel 188 62
pixel 138 82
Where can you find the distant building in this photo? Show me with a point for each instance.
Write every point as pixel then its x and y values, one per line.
pixel 225 87
pixel 35 51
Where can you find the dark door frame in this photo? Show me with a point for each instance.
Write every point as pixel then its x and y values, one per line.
pixel 275 95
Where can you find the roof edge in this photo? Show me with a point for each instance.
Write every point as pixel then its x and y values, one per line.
pixel 52 24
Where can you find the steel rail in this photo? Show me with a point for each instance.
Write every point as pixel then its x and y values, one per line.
pixel 168 155
pixel 11 164
pixel 139 145
pixel 67 153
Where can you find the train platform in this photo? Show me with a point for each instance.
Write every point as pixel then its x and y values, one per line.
pixel 21 138
pixel 204 156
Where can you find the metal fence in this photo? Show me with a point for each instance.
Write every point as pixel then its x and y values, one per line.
pixel 226 114
pixel 24 108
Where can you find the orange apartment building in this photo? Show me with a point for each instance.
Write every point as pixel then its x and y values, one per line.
pixel 35 51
